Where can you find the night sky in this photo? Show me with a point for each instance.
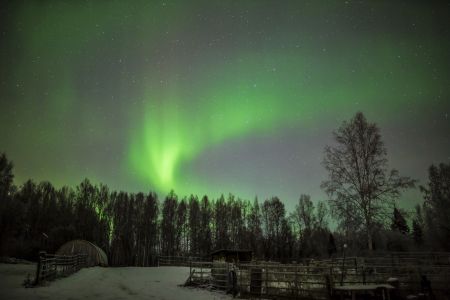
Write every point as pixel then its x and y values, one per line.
pixel 211 97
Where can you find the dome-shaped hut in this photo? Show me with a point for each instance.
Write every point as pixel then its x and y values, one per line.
pixel 96 256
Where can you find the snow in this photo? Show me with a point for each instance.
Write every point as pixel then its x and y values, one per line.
pixel 104 284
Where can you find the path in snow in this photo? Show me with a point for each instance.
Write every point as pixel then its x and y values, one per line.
pixel 104 284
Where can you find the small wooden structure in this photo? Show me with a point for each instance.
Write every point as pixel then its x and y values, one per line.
pixel 231 256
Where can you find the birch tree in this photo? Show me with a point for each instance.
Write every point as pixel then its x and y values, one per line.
pixel 358 177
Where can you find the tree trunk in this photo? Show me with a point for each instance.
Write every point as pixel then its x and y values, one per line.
pixel 369 239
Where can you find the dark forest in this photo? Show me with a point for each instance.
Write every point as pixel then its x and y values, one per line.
pixel 134 228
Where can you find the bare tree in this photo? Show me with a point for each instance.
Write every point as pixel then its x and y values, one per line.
pixel 205 226
pixel 181 224
pixel 273 216
pixel 304 213
pixel 168 224
pixel 358 177
pixel 194 225
pixel 254 228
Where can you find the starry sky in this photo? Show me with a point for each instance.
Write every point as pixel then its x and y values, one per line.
pixel 211 97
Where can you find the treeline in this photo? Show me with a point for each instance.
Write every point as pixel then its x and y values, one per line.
pixel 134 228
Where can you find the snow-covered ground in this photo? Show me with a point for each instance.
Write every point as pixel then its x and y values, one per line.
pixel 104 284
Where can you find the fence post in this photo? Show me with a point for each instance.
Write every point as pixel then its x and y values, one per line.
pixel 190 272
pixel 55 268
pixel 39 266
pixel 73 264
pixel 363 275
pixel 239 281
pixel 267 278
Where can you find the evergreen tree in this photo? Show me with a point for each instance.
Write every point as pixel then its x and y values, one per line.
pixel 437 205
pixel 399 222
pixel 331 245
pixel 417 233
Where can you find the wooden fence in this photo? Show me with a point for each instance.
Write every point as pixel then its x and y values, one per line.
pixel 183 261
pixel 209 274
pixel 315 279
pixel 52 266
pixel 316 282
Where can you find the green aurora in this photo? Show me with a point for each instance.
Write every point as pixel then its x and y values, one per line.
pixel 136 95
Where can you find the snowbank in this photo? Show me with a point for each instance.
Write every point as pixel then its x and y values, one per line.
pixel 104 284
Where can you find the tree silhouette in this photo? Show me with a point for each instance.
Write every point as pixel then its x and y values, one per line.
pixel 358 178
pixel 205 227
pixel 8 219
pixel 437 204
pixel 399 222
pixel 133 229
pixel 254 228
pixel 331 245
pixel 168 224
pixel 417 233
pixel 194 225
pixel 273 213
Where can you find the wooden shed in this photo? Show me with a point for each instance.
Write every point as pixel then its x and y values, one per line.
pixel 96 256
pixel 231 255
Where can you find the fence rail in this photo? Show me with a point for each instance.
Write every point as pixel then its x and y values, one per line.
pixel 182 261
pixel 52 266
pixel 317 282
pixel 317 278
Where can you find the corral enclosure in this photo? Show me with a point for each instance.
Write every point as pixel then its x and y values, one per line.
pixel 316 278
